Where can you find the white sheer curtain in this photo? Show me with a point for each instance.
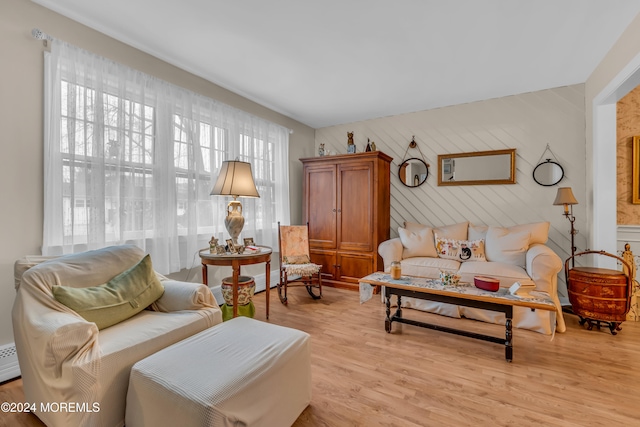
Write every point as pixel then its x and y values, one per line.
pixel 131 159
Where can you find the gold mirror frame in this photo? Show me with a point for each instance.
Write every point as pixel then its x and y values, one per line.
pixel 479 154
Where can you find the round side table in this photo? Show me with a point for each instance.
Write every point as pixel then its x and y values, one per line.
pixel 235 261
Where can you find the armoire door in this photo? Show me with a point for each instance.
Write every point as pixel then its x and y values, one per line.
pixel 321 211
pixel 355 210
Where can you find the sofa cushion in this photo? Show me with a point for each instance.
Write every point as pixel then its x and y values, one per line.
pixel 453 231
pixel 417 243
pixel 503 245
pixel 427 266
pixel 460 250
pixel 508 274
pixel 120 298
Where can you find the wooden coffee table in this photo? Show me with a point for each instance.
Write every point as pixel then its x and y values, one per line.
pixel 465 294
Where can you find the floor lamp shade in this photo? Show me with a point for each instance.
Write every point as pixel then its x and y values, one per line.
pixel 565 197
pixel 236 180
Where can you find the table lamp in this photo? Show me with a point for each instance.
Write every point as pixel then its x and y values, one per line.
pixel 566 198
pixel 236 180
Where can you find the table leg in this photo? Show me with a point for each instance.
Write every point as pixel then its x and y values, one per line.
pixel 508 345
pixel 268 280
pixel 205 278
pixel 399 307
pixel 236 276
pixel 387 322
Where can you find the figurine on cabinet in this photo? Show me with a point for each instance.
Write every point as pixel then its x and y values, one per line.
pixel 351 146
pixel 321 150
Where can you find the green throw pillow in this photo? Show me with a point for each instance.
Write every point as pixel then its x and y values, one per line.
pixel 120 298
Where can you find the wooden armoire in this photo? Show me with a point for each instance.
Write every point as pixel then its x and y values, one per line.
pixel 347 206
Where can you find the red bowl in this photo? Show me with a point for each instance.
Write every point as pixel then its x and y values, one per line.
pixel 486 283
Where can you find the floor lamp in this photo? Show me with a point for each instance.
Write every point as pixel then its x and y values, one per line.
pixel 566 198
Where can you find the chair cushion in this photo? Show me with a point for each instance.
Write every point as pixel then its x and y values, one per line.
pixel 304 270
pixel 119 299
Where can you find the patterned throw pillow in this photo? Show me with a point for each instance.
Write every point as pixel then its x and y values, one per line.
pixel 461 250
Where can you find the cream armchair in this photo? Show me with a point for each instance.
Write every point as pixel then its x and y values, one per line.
pixel 66 360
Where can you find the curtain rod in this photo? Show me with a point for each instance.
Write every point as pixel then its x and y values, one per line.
pixel 39 35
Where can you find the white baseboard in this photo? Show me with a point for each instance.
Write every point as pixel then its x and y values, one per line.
pixel 9 367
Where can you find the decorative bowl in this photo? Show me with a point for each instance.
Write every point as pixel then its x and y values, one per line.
pixel 486 283
pixel 449 278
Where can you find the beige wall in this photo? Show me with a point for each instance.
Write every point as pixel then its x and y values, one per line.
pixel 21 115
pixel 627 126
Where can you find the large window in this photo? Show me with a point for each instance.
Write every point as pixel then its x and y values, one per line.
pixel 132 159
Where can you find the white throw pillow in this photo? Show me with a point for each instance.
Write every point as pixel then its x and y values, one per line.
pixel 477 232
pixel 414 226
pixel 418 243
pixel 539 231
pixel 453 231
pixel 504 245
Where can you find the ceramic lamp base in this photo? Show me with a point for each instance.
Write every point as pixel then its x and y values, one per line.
pixel 234 221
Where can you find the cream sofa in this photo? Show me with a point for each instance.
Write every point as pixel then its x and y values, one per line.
pixel 65 360
pixel 513 254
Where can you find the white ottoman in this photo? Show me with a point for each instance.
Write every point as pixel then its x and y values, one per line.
pixel 243 372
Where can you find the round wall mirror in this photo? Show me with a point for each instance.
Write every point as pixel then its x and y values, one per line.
pixel 548 173
pixel 413 172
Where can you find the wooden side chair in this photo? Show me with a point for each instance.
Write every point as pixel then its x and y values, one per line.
pixel 295 261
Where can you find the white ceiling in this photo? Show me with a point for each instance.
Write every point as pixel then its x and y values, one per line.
pixel 329 62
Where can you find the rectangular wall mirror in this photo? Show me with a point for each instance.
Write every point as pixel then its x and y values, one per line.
pixel 477 168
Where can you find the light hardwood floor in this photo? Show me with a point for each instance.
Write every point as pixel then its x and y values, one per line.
pixel 363 376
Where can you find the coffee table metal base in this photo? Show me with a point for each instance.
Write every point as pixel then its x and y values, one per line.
pixel 503 308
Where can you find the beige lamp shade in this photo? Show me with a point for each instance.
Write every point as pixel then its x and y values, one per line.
pixel 565 197
pixel 235 179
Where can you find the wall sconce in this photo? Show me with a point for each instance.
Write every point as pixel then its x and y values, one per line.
pixel 566 198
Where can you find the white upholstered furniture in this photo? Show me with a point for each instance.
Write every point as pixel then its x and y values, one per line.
pixel 512 254
pixel 243 372
pixel 64 358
